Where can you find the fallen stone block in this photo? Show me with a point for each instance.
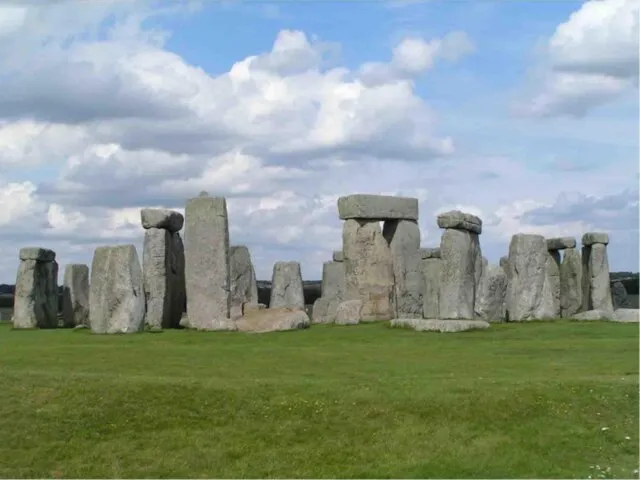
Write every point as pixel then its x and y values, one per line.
pixel 626 315
pixel 377 207
pixel 437 325
pixel 594 315
pixel 161 218
pixel 460 221
pixel 272 320
pixel 560 243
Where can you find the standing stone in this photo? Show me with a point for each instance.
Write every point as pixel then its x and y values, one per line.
pixel 550 302
pixel 332 292
pixel 481 266
pixel 403 237
pixel 368 268
pixel 35 303
pixel 207 266
pixel 490 299
pixel 570 283
pixel 596 289
pixel 619 296
pixel 116 291
pixel 526 276
pixel 244 288
pixel 503 262
pixel 75 295
pixel 163 267
pixel 459 250
pixel 286 286
pixel 432 270
pixel 349 312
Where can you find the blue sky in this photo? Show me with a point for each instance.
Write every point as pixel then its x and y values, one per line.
pixel 506 109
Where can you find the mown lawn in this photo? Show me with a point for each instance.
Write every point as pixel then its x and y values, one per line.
pixel 542 400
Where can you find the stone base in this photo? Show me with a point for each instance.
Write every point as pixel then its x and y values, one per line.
pixel 590 315
pixel 626 315
pixel 437 325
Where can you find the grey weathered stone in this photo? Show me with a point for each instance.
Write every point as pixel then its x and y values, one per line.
pixel 596 289
pixel 593 238
pixel 492 292
pixel 438 325
pixel 526 276
pixel 594 315
pixel 619 295
pixel 481 265
pixel 403 237
pixel 626 315
pixel 332 292
pixel 504 261
pixel 377 207
pixel 459 250
pixel 338 256
pixel 368 269
pixel 244 288
pixel 35 301
pixel 349 312
pixel 286 286
pixel 570 283
pixel 560 243
pixel 75 295
pixel 164 284
pixel 430 253
pixel 161 218
pixel 432 270
pixel 324 309
pixel 116 291
pixel 207 264
pixel 460 221
pixel 272 320
pixel 38 254
pixel 550 300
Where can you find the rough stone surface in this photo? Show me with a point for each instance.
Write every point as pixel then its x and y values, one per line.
pixel 35 303
pixel 619 296
pixel 492 292
pixel 526 276
pixel 349 312
pixel 403 237
pixel 333 291
pixel 244 288
pixel 570 283
pixel 272 320
pixel 324 309
pixel 286 286
pixel 560 243
pixel 460 221
pixel 626 315
pixel 161 218
pixel 338 256
pixel 116 298
pixel 550 301
pixel 368 269
pixel 37 254
pixel 592 238
pixel 596 289
pixel 75 295
pixel 594 315
pixel 377 207
pixel 430 253
pixel 432 270
pixel 459 250
pixel 481 265
pixel 437 325
pixel 164 278
pixel 504 261
pixel 207 264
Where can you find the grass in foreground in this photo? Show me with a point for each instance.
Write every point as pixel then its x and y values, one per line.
pixel 532 400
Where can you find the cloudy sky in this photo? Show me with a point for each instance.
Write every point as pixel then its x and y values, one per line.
pixel 524 113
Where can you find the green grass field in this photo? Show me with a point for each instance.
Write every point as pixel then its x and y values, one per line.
pixel 542 400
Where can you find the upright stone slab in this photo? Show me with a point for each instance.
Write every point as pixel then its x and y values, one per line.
pixel 526 276
pixel 482 264
pixel 244 288
pixel 35 303
pixel 550 302
pixel 596 290
pixel 368 269
pixel 116 291
pixel 286 286
pixel 403 237
pixel 432 270
pixel 492 291
pixel 163 267
pixel 207 265
pixel 332 292
pixel 75 295
pixel 570 283
pixel 619 296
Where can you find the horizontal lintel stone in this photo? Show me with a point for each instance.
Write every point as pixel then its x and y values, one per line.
pixel 460 221
pixel 377 207
pixel 37 254
pixel 595 237
pixel 560 243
